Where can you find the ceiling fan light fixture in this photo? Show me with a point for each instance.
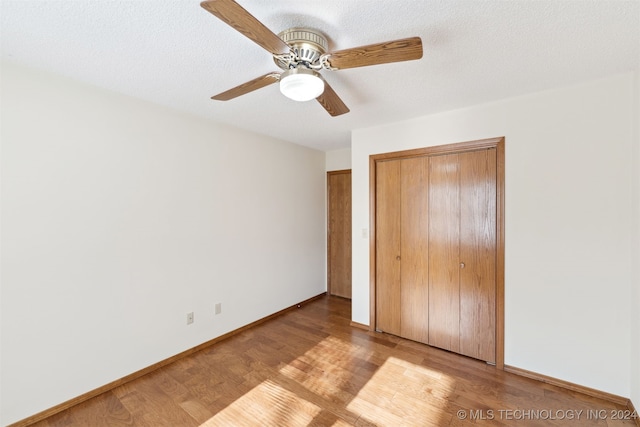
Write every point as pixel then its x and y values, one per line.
pixel 301 84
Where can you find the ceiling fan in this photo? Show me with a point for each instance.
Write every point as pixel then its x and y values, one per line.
pixel 301 53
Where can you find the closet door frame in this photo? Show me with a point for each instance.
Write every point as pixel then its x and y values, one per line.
pixel 498 144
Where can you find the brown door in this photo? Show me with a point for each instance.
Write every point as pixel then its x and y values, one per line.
pixel 435 256
pixel 444 272
pixel 339 233
pixel 462 253
pixel 388 295
pixel 402 239
pixel 414 249
pixel 478 254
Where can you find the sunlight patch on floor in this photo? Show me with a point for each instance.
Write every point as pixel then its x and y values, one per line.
pixel 324 369
pixel 422 372
pixel 267 404
pixel 397 392
pixel 402 393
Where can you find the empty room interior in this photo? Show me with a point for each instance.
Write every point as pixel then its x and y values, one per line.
pixel 320 212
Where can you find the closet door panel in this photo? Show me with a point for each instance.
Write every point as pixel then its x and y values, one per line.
pixel 478 254
pixel 339 233
pixel 388 293
pixel 444 228
pixel 414 198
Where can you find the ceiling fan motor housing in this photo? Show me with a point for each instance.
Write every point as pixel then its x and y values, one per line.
pixel 307 47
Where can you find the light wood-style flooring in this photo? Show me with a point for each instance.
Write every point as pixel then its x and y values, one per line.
pixel 308 367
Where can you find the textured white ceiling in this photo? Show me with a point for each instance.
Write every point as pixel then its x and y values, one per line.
pixel 176 54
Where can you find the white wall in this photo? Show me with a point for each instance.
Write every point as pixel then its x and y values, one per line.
pixel 119 217
pixel 568 215
pixel 338 159
pixel 635 295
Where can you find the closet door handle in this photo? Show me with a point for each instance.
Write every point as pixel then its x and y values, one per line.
pixel 462 265
pixel 398 258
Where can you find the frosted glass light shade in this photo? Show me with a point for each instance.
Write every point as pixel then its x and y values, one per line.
pixel 301 84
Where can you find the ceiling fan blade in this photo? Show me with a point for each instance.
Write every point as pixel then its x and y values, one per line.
pixel 237 17
pixel 247 87
pixel 331 102
pixel 380 53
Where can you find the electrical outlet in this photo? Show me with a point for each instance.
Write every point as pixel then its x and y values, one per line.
pixel 218 309
pixel 189 318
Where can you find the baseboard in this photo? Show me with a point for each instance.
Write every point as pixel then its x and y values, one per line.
pixel 570 386
pixel 359 325
pixel 633 410
pixel 107 387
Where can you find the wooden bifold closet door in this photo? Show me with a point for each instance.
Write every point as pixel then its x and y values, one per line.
pixel 436 250
pixel 402 242
pixel 339 233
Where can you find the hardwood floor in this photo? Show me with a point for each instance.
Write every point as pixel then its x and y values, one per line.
pixel 308 367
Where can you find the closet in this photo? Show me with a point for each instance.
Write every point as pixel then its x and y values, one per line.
pixel 436 251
